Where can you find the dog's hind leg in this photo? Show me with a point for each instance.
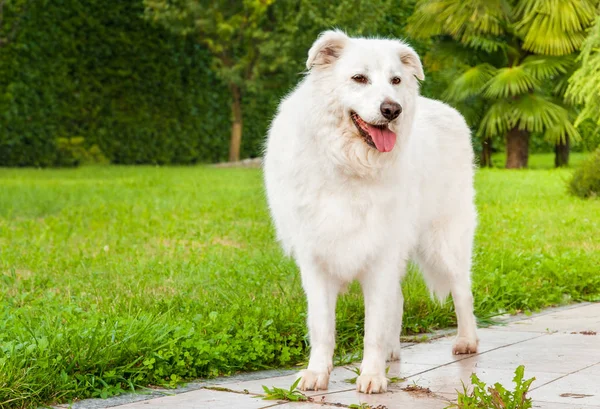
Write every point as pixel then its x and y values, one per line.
pixel 444 256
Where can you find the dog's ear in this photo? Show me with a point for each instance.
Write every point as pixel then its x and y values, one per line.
pixel 409 57
pixel 326 49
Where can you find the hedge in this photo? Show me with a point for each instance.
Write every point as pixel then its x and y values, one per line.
pixel 135 92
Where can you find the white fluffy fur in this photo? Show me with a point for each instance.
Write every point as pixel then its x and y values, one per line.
pixel 346 211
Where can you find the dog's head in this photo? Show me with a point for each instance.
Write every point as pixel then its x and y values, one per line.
pixel 372 83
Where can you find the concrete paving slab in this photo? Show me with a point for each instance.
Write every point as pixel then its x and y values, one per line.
pixel 203 399
pixel 337 382
pixel 439 351
pixel 551 353
pixel 554 405
pixel 582 319
pixel 393 399
pixel 300 405
pixel 400 369
pixel 450 378
pixel 581 387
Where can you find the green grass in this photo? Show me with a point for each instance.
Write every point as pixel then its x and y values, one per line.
pixel 541 160
pixel 118 277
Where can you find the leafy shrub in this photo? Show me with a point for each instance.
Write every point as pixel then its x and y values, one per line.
pixel 291 394
pixel 590 137
pixel 586 179
pixel 73 152
pixel 497 396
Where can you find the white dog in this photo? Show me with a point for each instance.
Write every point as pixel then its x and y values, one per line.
pixel 362 174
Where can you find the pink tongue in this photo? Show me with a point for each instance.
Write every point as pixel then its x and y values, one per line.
pixel 384 138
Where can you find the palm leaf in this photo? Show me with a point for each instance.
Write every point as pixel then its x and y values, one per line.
pixel 535 113
pixel 424 22
pixel 510 82
pixel 443 55
pixel 477 16
pixel 561 86
pixel 561 130
pixel 487 43
pixel 471 83
pixel 532 113
pixel 567 15
pixel 455 18
pixel 553 27
pixel 497 120
pixel 546 67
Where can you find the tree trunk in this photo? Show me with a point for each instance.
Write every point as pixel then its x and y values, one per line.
pixel 517 148
pixel 486 153
pixel 561 151
pixel 236 124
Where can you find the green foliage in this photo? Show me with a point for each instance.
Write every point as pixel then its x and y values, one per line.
pixel 591 138
pixel 531 112
pixel 547 67
pixel 243 40
pixel 290 394
pixel 352 380
pixel 584 85
pixel 470 83
pixel 12 13
pixel 542 161
pixel 73 152
pixel 362 405
pixel 509 82
pixel 472 23
pixel 254 44
pixel 502 79
pixel 234 33
pixel 145 95
pixel 81 69
pixel 497 396
pixel 585 181
pixel 552 27
pixel 119 277
pixel 66 69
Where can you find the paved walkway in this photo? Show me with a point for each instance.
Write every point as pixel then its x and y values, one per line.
pixel 559 347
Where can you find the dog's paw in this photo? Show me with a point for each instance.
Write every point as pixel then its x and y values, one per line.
pixel 313 381
pixel 371 383
pixel 465 345
pixel 394 353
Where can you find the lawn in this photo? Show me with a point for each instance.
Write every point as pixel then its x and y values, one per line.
pixel 120 277
pixel 540 160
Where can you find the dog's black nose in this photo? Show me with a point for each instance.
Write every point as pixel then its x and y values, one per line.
pixel 390 110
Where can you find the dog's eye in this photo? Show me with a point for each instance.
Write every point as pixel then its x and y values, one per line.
pixel 396 80
pixel 360 79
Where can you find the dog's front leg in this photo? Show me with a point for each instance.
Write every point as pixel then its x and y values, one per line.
pixel 321 291
pixel 381 292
